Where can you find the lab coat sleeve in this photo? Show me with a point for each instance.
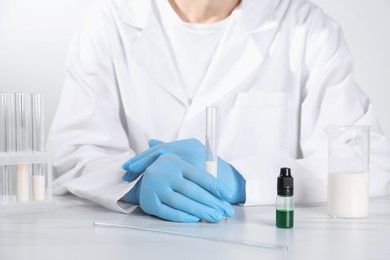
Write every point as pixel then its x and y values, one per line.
pixel 329 97
pixel 88 136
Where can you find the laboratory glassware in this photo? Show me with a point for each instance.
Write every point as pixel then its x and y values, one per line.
pixel 38 170
pixel 285 199
pixel 23 144
pixel 212 140
pixel 348 171
pixel 196 236
pixel 25 167
pixel 7 146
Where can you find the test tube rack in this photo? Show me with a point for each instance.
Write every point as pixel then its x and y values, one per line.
pixel 25 182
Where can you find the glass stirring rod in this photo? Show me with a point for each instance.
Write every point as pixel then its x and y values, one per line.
pixel 197 236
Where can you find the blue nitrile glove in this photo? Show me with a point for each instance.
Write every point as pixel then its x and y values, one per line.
pixel 189 150
pixel 192 151
pixel 175 190
pixel 232 179
pixel 133 195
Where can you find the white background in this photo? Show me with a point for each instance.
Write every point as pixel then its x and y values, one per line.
pixel 34 36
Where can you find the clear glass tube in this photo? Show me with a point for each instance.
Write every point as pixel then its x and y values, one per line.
pixel 38 133
pixel 23 144
pixel 3 112
pixel 7 145
pixel 38 145
pixel 23 122
pixel 38 182
pixel 212 140
pixel 10 138
pixel 3 171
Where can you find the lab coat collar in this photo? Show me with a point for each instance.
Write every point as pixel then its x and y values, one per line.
pixel 134 13
pixel 151 51
pixel 236 56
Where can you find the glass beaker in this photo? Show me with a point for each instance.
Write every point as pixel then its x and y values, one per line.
pixel 348 167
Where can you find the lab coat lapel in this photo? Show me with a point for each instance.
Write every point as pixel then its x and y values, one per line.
pixel 151 51
pixel 237 55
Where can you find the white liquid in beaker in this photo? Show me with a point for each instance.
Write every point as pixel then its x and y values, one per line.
pixel 348 195
pixel 212 168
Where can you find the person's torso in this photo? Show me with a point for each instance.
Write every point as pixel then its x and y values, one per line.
pixel 255 78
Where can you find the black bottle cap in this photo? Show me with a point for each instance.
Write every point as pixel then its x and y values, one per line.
pixel 285 182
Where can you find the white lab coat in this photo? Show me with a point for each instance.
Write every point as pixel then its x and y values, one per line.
pixel 280 75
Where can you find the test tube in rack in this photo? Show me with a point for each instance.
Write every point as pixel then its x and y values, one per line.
pixel 23 144
pixel 7 144
pixel 38 145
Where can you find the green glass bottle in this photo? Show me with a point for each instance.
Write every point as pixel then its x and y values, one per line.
pixel 285 199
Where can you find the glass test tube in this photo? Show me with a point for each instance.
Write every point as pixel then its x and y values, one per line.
pixel 38 145
pixel 23 144
pixel 212 140
pixel 3 182
pixel 7 145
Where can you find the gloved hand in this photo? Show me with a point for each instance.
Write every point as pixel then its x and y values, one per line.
pixel 173 189
pixel 193 152
pixel 189 150
pixel 232 179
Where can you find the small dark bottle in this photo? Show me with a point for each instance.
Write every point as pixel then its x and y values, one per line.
pixel 285 199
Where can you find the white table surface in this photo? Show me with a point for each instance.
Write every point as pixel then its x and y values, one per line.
pixel 67 232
